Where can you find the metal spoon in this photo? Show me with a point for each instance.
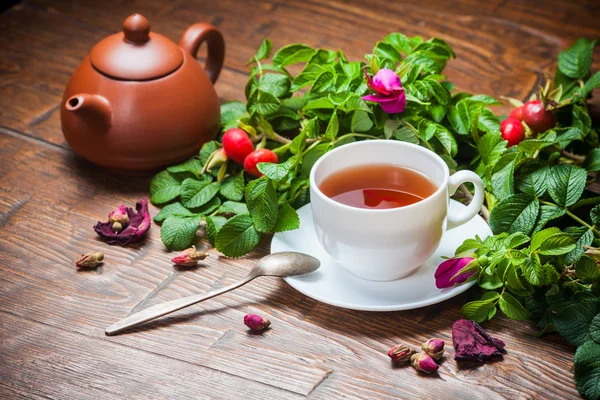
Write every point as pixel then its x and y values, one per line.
pixel 282 264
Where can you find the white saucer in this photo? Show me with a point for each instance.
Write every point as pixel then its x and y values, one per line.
pixel 333 285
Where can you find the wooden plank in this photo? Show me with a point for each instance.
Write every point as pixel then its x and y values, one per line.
pixel 50 201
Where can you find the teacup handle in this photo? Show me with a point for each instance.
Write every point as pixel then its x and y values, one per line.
pixel 467 214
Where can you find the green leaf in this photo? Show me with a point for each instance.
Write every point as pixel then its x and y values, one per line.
pixel 304 79
pixel 595 215
pixel 533 183
pixel 355 103
pixel 197 193
pixel 237 236
pixel 590 85
pixel 503 176
pixel 484 99
pixel 232 188
pixel 592 160
pixel 287 219
pixel 557 244
pixel 532 271
pixel 264 51
pixel 595 329
pixel 233 207
pixel 164 187
pixel 213 226
pixel 322 103
pixel 566 184
pixel 209 207
pixel 480 310
pixel 207 149
pixel 399 41
pixel 587 370
pixel 294 103
pixel 584 240
pixel 277 85
pixel 459 118
pixel 311 157
pixel 489 282
pixel 361 122
pixel 488 122
pixel 292 54
pixel 387 51
pixel 230 113
pixel 323 82
pixel 517 213
pixel 512 308
pixel 587 270
pixel 192 165
pixel 177 232
pixel 333 127
pixel 575 62
pixel 573 322
pixel 265 103
pixel 172 209
pixel 262 203
pixel 539 237
pixel 547 214
pixel 274 171
pixel 515 240
pixel 299 143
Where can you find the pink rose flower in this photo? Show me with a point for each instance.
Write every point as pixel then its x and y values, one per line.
pixel 446 271
pixel 388 91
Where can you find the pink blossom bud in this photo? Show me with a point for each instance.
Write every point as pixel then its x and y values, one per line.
pixel 90 260
pixel 189 257
pixel 400 354
pixel 434 347
pixel 256 322
pixel 424 363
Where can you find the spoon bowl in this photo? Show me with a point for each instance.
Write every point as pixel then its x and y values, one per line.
pixel 286 263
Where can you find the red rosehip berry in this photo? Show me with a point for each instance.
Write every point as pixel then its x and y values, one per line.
pixel 237 145
pixel 258 156
pixel 517 113
pixel 512 131
pixel 537 118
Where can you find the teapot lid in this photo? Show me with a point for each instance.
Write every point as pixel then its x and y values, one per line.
pixel 136 54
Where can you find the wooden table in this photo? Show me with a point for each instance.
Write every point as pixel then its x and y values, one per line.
pixel 52 317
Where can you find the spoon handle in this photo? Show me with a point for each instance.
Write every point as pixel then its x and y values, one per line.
pixel 168 307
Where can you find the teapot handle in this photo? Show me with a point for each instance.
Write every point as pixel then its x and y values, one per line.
pixel 193 38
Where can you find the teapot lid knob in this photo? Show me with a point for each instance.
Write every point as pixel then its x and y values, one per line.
pixel 136 29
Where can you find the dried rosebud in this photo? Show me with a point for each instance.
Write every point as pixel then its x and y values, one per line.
pixel 189 257
pixel 90 260
pixel 256 322
pixel 135 229
pixel 472 343
pixel 434 347
pixel 424 363
pixel 119 219
pixel 400 354
pixel 593 253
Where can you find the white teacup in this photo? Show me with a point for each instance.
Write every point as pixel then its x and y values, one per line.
pixel 387 244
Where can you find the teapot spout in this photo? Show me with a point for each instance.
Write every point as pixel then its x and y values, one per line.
pixel 93 109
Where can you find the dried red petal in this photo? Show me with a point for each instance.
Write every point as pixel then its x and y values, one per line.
pixel 136 229
pixel 473 343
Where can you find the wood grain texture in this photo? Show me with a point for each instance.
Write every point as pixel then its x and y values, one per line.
pixel 52 317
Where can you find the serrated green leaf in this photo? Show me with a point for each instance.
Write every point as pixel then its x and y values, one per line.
pixel 207 149
pixel 321 103
pixel 355 103
pixel 232 188
pixel 557 244
pixel 299 143
pixel 533 183
pixel 575 62
pixel 590 85
pixel 261 199
pixel 207 208
pixel 388 51
pixel 287 219
pixel 213 226
pixel 172 209
pixel 459 118
pixel 595 329
pixel 489 282
pixel 566 184
pixel 277 85
pixel 164 187
pixel 264 104
pixel 480 310
pixel 311 157
pixel 548 213
pixel 361 122
pixel 277 172
pixel 515 240
pixel 517 213
pixel 584 240
pixel 573 321
pixel 503 176
pixel 595 215
pixel 538 238
pixel 488 122
pixel 304 79
pixel 532 271
pixel 587 270
pixel 197 193
pixel 177 232
pixel 237 236
pixel 512 308
pixel 233 207
pixel 292 54
pixel 592 160
pixel 333 127
pixel 192 165
pixel 264 51
pixel 587 370
pixel 230 113
pixel 323 82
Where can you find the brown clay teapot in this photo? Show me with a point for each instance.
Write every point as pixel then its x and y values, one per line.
pixel 140 102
